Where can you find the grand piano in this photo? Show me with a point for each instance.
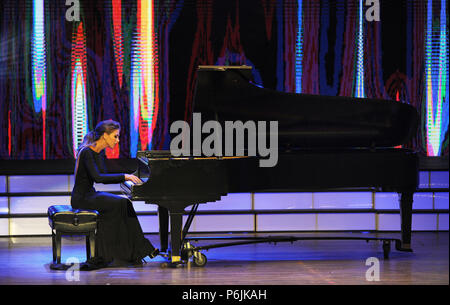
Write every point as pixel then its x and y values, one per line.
pixel 325 143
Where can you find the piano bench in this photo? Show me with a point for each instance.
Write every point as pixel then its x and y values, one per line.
pixel 67 221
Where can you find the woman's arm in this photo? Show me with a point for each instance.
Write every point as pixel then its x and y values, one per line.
pixel 93 171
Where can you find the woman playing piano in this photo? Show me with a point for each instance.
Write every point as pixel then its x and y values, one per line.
pixel 120 240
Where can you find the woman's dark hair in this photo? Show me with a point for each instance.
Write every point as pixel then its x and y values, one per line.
pixel 107 126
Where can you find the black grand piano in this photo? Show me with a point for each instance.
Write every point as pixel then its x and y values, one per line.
pixel 325 143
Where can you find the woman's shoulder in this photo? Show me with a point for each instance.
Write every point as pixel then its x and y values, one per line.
pixel 86 151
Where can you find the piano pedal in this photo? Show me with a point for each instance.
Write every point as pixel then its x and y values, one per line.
pixel 172 265
pixel 164 254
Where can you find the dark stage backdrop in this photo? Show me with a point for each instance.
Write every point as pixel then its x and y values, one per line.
pixel 134 61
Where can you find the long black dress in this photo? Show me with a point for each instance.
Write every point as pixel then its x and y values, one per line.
pixel 119 236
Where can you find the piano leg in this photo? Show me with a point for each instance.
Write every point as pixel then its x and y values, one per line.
pixel 406 202
pixel 176 222
pixel 163 216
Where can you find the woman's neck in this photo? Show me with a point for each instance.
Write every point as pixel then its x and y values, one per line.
pixel 98 146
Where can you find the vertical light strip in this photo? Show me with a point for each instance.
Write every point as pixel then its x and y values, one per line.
pixel 144 78
pixel 135 92
pixel 38 64
pixel 436 79
pixel 118 37
pixel 359 90
pixel 299 49
pixel 9 133
pixel 147 72
pixel 118 56
pixel 78 87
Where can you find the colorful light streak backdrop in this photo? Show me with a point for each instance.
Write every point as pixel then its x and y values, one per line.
pixel 118 37
pixel 145 79
pixel 39 75
pixel 299 49
pixel 78 87
pixel 134 61
pixel 359 90
pixel 436 77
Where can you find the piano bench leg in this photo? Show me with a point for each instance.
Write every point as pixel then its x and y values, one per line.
pixel 58 247
pixel 54 246
pixel 90 245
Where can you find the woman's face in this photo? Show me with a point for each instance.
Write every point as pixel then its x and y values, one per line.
pixel 112 139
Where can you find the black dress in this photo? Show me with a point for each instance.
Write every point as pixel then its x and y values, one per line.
pixel 119 236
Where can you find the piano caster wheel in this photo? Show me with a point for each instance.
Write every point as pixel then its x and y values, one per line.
pixel 386 248
pixel 199 259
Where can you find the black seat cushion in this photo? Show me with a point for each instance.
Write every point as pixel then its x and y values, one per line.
pixel 64 218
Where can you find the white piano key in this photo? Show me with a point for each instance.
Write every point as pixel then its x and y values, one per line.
pixel 283 201
pixel 129 184
pixel 39 183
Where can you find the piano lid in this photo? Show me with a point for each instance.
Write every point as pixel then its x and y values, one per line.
pixel 226 93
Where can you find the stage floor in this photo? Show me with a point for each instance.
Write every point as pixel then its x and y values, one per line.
pixel 26 260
